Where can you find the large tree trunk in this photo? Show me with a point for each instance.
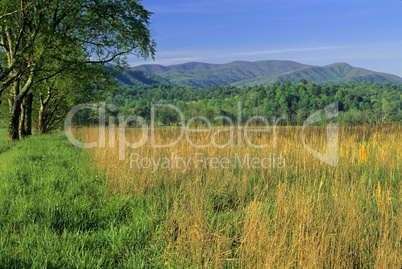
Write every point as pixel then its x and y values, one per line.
pixel 25 126
pixel 15 111
pixel 21 133
pixel 15 102
pixel 28 115
pixel 13 126
pixel 41 119
pixel 42 125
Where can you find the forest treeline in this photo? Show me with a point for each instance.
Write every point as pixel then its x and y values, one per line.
pixel 358 103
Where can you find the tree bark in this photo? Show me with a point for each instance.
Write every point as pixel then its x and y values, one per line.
pixel 21 133
pixel 42 126
pixel 41 119
pixel 25 127
pixel 13 126
pixel 28 115
pixel 15 111
pixel 15 101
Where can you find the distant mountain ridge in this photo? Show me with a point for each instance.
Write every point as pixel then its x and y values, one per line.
pixel 140 78
pixel 243 73
pixel 329 74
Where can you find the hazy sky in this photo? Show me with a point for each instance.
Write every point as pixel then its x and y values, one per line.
pixel 364 34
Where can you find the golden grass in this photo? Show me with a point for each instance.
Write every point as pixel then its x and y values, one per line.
pixel 304 215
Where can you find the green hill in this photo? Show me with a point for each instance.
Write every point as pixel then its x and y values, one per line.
pixel 243 73
pixel 330 74
pixel 206 75
pixel 140 78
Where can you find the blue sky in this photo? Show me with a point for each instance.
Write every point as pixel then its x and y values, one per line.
pixel 365 34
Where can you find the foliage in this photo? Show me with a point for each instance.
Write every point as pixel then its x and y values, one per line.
pixel 80 83
pixel 359 103
pixel 43 39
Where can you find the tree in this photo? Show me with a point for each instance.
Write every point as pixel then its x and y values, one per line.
pixel 78 84
pixel 67 32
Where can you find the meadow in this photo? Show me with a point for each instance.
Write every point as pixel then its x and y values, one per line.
pixel 234 206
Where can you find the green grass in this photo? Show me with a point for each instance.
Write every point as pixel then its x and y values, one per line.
pixel 55 212
pixel 3 136
pixel 3 140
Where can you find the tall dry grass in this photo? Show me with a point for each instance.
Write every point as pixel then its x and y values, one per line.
pixel 304 215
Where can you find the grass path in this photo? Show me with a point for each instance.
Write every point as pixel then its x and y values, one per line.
pixel 55 213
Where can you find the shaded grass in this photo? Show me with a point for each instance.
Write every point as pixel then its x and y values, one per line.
pixel 55 213
pixel 3 135
pixel 3 140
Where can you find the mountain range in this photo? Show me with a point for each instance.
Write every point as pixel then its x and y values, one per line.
pixel 243 73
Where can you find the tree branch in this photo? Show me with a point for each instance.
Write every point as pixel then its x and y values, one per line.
pixel 108 60
pixel 19 37
pixel 10 13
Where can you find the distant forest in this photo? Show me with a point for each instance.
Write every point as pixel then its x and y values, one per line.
pixel 359 103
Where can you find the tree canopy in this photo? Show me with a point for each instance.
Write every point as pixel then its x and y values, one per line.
pixel 43 39
pixel 359 103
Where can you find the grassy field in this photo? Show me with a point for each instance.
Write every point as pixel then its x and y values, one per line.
pixel 56 213
pixel 296 213
pixel 64 207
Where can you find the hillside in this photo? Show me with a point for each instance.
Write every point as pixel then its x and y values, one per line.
pixel 330 74
pixel 205 75
pixel 140 78
pixel 243 73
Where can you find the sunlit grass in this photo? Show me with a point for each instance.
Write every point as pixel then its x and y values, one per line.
pixel 62 207
pixel 306 214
